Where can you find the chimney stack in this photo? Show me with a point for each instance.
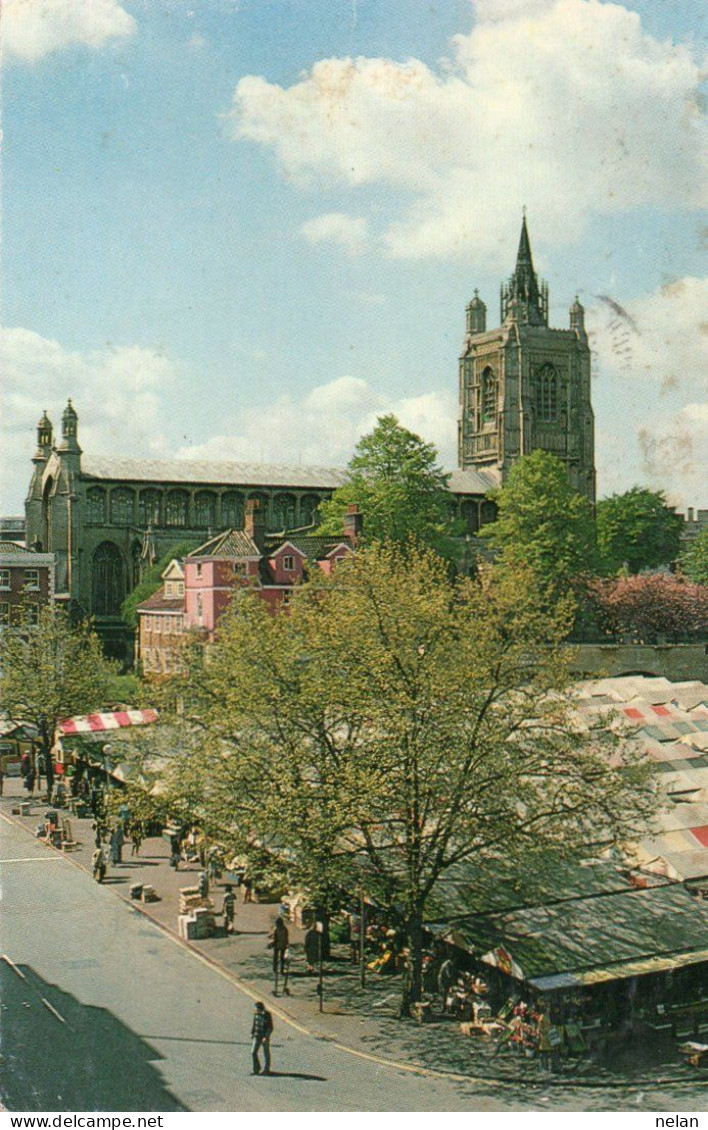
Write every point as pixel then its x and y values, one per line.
pixel 352 524
pixel 254 522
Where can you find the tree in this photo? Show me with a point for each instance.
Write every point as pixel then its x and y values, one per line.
pixel 52 670
pixel 397 723
pixel 650 608
pixel 694 559
pixel 637 530
pixel 542 523
pixel 395 480
pixel 150 582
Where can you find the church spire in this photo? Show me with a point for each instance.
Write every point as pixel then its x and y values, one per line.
pixel 522 298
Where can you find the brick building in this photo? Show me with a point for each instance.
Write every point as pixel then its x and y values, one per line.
pixel 26 582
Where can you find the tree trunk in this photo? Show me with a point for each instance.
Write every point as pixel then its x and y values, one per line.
pixel 412 990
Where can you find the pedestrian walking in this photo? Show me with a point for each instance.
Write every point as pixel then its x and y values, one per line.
pixel 279 939
pixel 136 837
pixel 229 909
pixel 261 1032
pixel 247 885
pixel 175 854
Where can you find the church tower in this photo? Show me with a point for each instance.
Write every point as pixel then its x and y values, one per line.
pixel 526 385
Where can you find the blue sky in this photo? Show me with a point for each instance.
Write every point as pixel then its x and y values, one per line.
pixel 241 229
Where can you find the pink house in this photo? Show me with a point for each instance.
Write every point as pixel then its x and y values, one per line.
pixel 270 564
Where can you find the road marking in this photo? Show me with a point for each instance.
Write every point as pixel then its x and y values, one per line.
pixel 33 859
pixel 6 959
pixel 51 1008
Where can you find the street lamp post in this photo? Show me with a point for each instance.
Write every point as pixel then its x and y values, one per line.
pixel 319 927
pixel 106 751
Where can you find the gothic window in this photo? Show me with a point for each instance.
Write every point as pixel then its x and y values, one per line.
pixel 309 509
pixel 95 505
pixel 122 507
pixel 232 510
pixel 489 396
pixel 149 508
pixel 176 505
pixel 546 394
pixel 283 511
pixel 205 509
pixel 107 580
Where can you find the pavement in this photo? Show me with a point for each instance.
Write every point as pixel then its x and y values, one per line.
pixel 361 1024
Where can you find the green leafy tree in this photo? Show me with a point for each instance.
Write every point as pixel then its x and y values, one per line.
pixel 397 723
pixel 150 582
pixel 694 559
pixel 395 480
pixel 637 530
pixel 51 671
pixel 542 523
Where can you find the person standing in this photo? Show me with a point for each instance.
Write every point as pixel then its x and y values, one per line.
pixel 261 1031
pixel 247 886
pixel 280 939
pixel 229 909
pixel 49 774
pixel 116 845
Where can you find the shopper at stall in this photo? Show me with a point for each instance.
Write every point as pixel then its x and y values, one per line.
pixel 446 979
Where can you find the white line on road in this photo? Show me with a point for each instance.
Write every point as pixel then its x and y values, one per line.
pixel 51 1008
pixel 33 859
pixel 12 965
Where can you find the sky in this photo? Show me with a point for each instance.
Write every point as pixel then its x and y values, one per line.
pixel 243 229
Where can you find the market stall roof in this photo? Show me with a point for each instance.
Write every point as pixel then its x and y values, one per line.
pixel 100 723
pixel 602 937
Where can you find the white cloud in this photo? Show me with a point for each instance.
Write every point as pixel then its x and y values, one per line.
pixel 117 392
pixel 651 368
pixel 324 427
pixel 31 29
pixel 351 232
pixel 568 100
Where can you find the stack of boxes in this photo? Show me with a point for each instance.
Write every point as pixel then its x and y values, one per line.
pixel 196 915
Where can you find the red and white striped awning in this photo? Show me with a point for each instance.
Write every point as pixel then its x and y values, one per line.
pixel 112 720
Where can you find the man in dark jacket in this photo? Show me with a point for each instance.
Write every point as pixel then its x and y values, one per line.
pixel 261 1031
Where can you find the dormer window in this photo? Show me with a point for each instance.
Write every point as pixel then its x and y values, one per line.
pixel 289 563
pixel 239 568
pixel 4 578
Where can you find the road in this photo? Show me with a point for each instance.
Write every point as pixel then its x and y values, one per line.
pixel 102 1010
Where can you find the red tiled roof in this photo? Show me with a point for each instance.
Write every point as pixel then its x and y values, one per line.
pixel 159 603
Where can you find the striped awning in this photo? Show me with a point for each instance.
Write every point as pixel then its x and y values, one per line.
pixel 112 720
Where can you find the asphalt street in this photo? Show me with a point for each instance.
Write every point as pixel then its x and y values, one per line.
pixel 102 1010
